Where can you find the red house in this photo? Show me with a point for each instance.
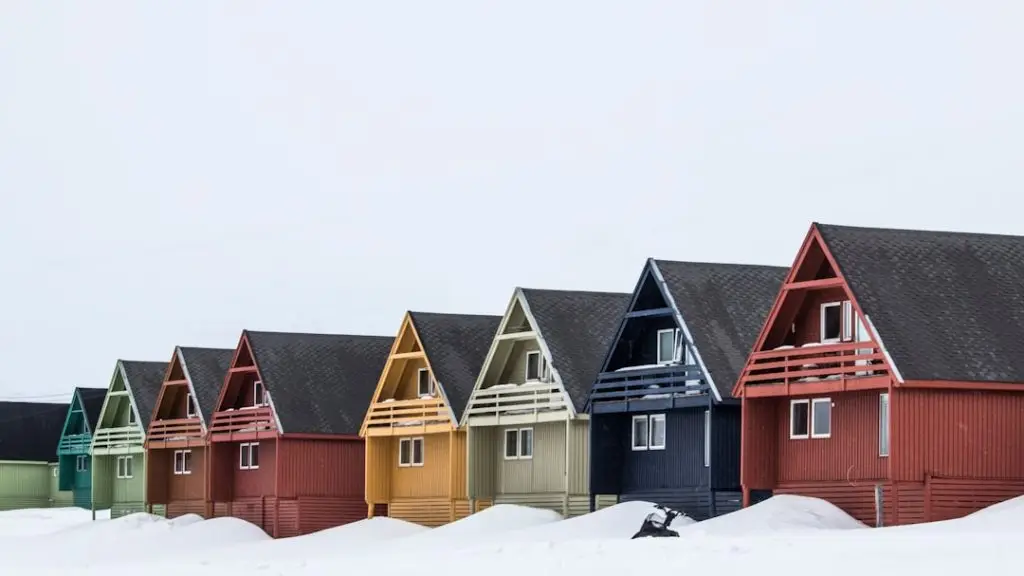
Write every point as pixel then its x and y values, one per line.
pixel 176 436
pixel 890 359
pixel 284 445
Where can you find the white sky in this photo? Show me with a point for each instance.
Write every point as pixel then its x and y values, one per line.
pixel 171 173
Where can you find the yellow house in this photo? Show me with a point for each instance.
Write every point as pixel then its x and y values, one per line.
pixel 415 450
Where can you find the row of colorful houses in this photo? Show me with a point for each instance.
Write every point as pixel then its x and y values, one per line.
pixel 882 371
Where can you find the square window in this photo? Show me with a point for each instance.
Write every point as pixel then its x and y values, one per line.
pixel 511 444
pixel 831 322
pixel 821 418
pixel 799 418
pixel 883 424
pixel 423 387
pixel 640 434
pixel 533 366
pixel 526 443
pixel 657 428
pixel 666 346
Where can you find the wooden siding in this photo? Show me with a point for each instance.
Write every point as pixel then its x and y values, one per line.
pixel 545 472
pixel 431 512
pixel 514 369
pixel 24 485
pixel 121 495
pixel 329 468
pixel 415 491
pixel 959 434
pixel 566 505
pixel 163 486
pixel 725 449
pixel 247 484
pixel 695 502
pixel 850 453
pixel 58 497
pixel 579 457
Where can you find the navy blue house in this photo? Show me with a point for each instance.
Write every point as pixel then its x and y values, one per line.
pixel 664 426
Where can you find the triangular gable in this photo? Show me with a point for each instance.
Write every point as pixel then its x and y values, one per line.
pixel 77 417
pixel 119 393
pixel 406 347
pixel 814 268
pixel 177 375
pixel 651 297
pixel 517 322
pixel 243 364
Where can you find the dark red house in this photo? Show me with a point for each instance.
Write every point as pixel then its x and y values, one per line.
pixel 284 447
pixel 891 359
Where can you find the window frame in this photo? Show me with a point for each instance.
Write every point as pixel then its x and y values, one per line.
pixel 828 402
pixel 513 433
pixel 259 400
pixel 646 436
pixel 132 420
pixel 657 352
pixel 792 404
pixel 651 419
pixel 526 368
pixel 838 305
pixel 190 407
pixel 125 467
pixel 185 470
pixel 707 438
pixel 81 464
pixel 522 434
pixel 246 449
pixel 412 440
pixel 883 425
pixel 419 382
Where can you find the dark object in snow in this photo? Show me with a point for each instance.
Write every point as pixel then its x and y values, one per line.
pixel 656 524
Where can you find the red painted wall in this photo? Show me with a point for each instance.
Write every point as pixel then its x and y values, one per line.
pixel 322 468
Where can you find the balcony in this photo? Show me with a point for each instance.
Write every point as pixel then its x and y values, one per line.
pixel 652 387
pixel 121 440
pixel 74 444
pixel 517 404
pixel 174 432
pixel 406 417
pixel 814 368
pixel 243 423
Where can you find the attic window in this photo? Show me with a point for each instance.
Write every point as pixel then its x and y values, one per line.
pixel 131 417
pixel 190 406
pixel 423 387
pixel 533 366
pixel 667 345
pixel 259 394
pixel 831 322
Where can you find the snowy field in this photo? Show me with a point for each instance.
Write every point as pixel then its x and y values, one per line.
pixel 782 536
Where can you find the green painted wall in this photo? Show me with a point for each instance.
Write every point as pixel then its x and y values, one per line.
pixel 121 495
pixel 24 485
pixel 58 498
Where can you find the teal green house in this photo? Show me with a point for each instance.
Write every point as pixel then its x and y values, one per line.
pixel 28 464
pixel 74 461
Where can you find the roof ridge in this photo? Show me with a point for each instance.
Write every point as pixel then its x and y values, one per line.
pixel 565 291
pixel 921 231
pixel 729 264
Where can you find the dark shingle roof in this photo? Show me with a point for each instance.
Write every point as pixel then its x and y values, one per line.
pixel 92 403
pixel 455 345
pixel 578 328
pixel 144 380
pixel 947 305
pixel 206 368
pixel 724 306
pixel 319 383
pixel 30 431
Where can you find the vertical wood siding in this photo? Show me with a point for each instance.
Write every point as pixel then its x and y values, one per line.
pixel 380 458
pixel 58 497
pixel 578 467
pixel 457 465
pixel 850 454
pixel 428 481
pixel 222 461
pixel 680 464
pixel 725 446
pixel 545 472
pixel 187 487
pixel 322 468
pixel 960 434
pixel 483 461
pixel 253 483
pixel 24 485
pixel 609 443
pixel 760 442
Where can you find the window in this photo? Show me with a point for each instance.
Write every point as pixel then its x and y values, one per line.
pixel 249 456
pixel 182 462
pixel 707 438
pixel 847 321
pixel 640 433
pixel 667 345
pixel 883 424
pixel 831 322
pixel 410 452
pixel 259 394
pixel 131 415
pixel 81 463
pixel 190 406
pixel 821 418
pixel 519 444
pixel 124 466
pixel 423 387
pixel 54 472
pixel 533 366
pixel 657 427
pixel 799 418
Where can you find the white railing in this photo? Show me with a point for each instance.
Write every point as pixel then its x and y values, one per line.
pixel 533 401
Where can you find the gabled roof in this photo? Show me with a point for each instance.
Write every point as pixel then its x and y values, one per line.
pixel 723 306
pixel 578 328
pixel 946 305
pixel 205 369
pixel 92 404
pixel 29 431
pixel 144 379
pixel 319 383
pixel 455 346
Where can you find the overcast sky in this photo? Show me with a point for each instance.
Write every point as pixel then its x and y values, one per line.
pixel 171 173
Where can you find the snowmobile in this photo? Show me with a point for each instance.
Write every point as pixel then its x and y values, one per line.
pixel 656 524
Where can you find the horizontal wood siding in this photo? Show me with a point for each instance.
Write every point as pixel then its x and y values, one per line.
pixel 177 508
pixel 948 498
pixel 680 464
pixel 725 446
pixel 856 500
pixel 960 434
pixel 850 454
pixel 332 468
pixel 24 485
pixel 319 513
pixel 258 510
pixel 431 512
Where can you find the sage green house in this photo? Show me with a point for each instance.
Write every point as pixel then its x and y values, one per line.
pixel 527 430
pixel 118 442
pixel 29 433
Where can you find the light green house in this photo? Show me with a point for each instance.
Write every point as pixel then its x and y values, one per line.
pixel 29 433
pixel 118 442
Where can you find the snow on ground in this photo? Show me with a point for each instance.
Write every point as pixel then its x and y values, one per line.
pixel 775 538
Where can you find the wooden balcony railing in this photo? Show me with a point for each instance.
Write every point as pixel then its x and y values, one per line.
pixel 174 429
pixel 392 417
pixel 74 444
pixel 815 363
pixel 648 388
pixel 121 437
pixel 532 401
pixel 256 419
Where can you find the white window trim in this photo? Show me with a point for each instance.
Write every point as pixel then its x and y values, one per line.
pixel 821 322
pixel 650 432
pixel 190 408
pixel 419 380
pixel 122 464
pixel 632 433
pixel 675 342
pixel 259 400
pixel 412 452
pixel 526 368
pixel 883 398
pixel 183 471
pixel 80 463
pixel 846 321
pixel 504 447
pixel 520 445
pixel 793 403
pixel 246 447
pixel 131 416
pixel 707 438
pixel 828 402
